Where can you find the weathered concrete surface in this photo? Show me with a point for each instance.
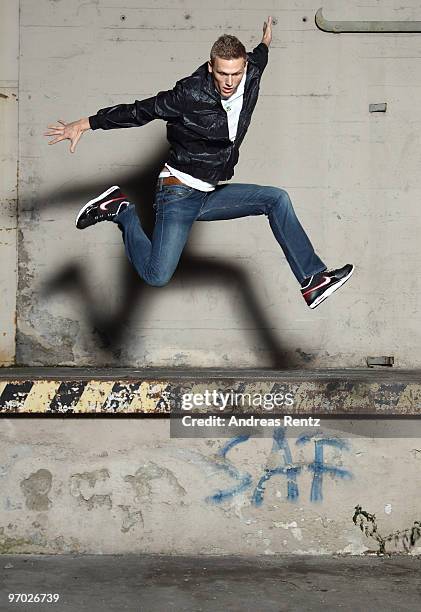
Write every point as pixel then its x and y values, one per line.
pixel 9 69
pixel 118 486
pixel 195 584
pixel 353 176
pixel 123 390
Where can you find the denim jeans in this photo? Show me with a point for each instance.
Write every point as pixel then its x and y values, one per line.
pixel 177 207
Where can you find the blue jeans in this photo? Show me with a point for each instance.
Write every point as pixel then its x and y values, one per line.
pixel 177 207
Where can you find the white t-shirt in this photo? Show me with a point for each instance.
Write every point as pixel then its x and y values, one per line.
pixel 232 107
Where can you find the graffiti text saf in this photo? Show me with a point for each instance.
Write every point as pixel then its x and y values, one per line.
pixel 285 468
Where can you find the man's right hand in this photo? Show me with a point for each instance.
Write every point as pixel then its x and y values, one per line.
pixel 68 131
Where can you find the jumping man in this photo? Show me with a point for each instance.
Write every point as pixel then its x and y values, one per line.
pixel 207 117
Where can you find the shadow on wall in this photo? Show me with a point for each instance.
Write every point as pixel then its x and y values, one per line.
pixel 111 331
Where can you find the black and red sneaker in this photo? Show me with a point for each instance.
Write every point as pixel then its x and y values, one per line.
pixel 102 208
pixel 319 286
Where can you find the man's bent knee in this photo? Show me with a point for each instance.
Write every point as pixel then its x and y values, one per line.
pixel 279 198
pixel 157 280
pixel 282 197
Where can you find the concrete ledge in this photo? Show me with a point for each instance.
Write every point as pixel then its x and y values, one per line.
pixel 119 391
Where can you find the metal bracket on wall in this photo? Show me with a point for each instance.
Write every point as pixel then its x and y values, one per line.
pixel 383 360
pixel 372 27
pixel 378 108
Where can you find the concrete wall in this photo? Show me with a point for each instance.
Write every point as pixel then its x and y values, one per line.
pixel 9 76
pixel 352 175
pixel 137 490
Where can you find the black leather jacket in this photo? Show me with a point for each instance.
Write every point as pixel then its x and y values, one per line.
pixel 197 126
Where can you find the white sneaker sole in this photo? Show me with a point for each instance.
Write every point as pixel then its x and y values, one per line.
pixel 331 290
pixel 97 199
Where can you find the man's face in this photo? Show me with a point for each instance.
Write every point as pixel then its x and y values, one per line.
pixel 227 74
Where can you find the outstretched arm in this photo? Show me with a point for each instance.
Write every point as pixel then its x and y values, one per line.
pixel 68 131
pixel 259 55
pixel 166 105
pixel 267 31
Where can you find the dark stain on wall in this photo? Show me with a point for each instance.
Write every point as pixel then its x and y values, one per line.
pixel 36 488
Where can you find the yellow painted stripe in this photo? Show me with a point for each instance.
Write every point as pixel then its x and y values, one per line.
pixel 94 396
pixel 40 396
pixel 2 386
pixel 146 397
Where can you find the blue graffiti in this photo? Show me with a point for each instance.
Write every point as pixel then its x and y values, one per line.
pixel 286 467
pixel 244 480
pixel 319 468
pixel 280 444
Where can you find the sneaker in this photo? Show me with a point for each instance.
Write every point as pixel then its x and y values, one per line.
pixel 319 286
pixel 103 208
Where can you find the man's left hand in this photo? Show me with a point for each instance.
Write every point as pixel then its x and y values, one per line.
pixel 267 31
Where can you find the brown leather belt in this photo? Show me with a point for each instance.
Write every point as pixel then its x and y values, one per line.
pixel 171 180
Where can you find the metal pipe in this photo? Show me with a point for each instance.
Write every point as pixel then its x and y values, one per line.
pixel 371 27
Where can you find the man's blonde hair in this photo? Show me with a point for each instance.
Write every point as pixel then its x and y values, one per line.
pixel 228 47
